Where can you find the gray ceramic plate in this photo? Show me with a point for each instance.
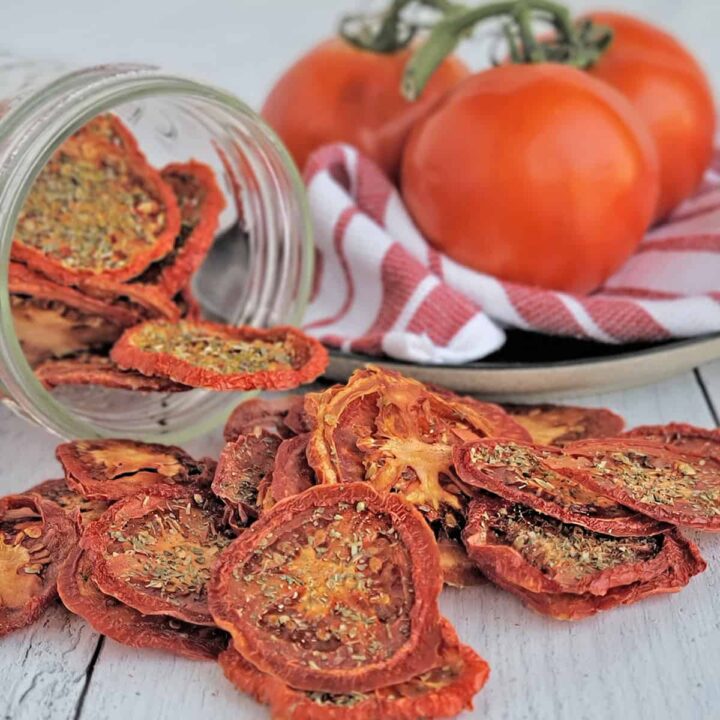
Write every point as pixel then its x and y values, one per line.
pixel 534 367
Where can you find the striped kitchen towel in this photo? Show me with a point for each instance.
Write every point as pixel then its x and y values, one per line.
pixel 381 289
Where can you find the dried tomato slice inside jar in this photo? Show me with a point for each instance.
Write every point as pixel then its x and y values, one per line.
pixel 558 424
pixel 442 692
pixel 397 434
pixel 57 491
pixel 333 590
pixel 92 369
pixel 111 469
pixel 221 357
pixel 539 477
pixel 36 536
pixel 153 551
pixel 242 468
pixel 656 480
pixel 541 554
pixel 110 129
pixel 110 617
pixel 272 413
pixel 84 189
pixel 681 437
pixel 685 562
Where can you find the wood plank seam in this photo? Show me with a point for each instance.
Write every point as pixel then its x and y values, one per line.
pixel 88 677
pixel 708 398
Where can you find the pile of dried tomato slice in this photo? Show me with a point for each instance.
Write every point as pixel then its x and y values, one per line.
pixel 309 559
pixel 103 258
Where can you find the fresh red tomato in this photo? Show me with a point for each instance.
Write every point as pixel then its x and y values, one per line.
pixel 670 91
pixel 538 174
pixel 338 93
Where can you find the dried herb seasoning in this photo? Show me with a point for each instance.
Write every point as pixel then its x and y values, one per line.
pixel 333 590
pixel 221 357
pixel 118 621
pixel 35 538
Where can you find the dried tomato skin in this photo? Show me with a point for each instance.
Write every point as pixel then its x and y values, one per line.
pixel 415 655
pixel 291 473
pixel 623 470
pixel 458 569
pixel 545 422
pixel 58 536
pixel 686 563
pixel 148 599
pixel 127 626
pixel 92 369
pixel 497 557
pixel 246 677
pixel 102 152
pixel 264 412
pixel 563 493
pixel 243 466
pixel 310 354
pixel 681 437
pixel 118 477
pixel 58 492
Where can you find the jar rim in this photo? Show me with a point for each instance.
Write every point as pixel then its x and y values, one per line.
pixel 43 122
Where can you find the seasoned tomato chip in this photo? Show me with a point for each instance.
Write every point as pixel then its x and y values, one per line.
pixel 84 189
pixel 241 469
pixel 682 437
pixel 685 562
pixel 112 468
pixel 36 536
pixel 541 478
pixel 291 473
pixel 271 413
pixel 333 590
pixel 458 569
pixel 154 551
pixel 121 623
pixel 201 203
pixel 654 479
pixel 559 424
pixel 542 554
pixel 222 357
pixel 71 502
pixel 398 435
pixel 442 692
pixel 93 369
pixel 145 301
pixel 110 129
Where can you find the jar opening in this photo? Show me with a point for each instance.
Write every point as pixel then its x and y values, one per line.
pixel 257 271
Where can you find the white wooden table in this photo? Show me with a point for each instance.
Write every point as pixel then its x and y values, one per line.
pixel 658 659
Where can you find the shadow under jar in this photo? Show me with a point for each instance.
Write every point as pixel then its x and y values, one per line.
pixel 257 272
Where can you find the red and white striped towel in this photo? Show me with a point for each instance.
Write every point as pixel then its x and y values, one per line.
pixel 380 288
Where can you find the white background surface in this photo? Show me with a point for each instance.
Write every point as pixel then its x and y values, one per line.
pixel 659 659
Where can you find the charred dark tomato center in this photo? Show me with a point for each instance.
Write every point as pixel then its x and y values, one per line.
pixel 332 587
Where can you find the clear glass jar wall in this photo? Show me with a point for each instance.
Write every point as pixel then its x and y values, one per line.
pixel 257 272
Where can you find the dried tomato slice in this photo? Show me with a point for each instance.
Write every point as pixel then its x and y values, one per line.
pixel 35 538
pixel 291 473
pixel 545 555
pixel 682 437
pixel 686 562
pixel 442 692
pixel 121 623
pixel 271 413
pixel 538 476
pixel 153 551
pixel 110 129
pixel 201 203
pixel 57 491
pixel 458 569
pixel 112 468
pixel 242 467
pixel 656 480
pixel 96 211
pixel 222 357
pixel 558 424
pixel 93 369
pixel 397 434
pixel 333 590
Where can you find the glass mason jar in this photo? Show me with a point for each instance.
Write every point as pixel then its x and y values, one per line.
pixel 258 271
